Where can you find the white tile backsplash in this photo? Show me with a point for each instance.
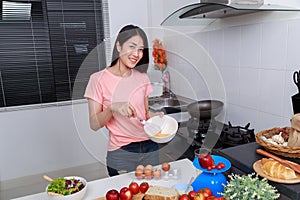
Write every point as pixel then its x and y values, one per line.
pixel 293 45
pixel 249 88
pixel 232 47
pixel 256 63
pixel 250 46
pixel 231 80
pixel 272 91
pixel 215 46
pixel 273 45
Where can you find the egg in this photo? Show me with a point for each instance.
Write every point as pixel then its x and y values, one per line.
pixel 139 173
pixel 157 173
pixel 165 166
pixel 140 167
pixel 150 167
pixel 148 173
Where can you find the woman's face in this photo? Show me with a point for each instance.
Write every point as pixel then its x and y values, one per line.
pixel 131 52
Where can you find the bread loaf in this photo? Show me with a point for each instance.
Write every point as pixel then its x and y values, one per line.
pixel 294 136
pixel 161 193
pixel 277 170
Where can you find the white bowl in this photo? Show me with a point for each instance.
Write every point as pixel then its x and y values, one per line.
pixel 76 196
pixel 168 126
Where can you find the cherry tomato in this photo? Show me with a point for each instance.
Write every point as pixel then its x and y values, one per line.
pixel 205 191
pixel 219 167
pixel 192 194
pixel 199 196
pixel 134 188
pixel 209 168
pixel 211 198
pixel 222 165
pixel 184 197
pixel 144 186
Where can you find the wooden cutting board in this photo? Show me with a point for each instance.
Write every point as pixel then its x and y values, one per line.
pixel 257 166
pixel 138 196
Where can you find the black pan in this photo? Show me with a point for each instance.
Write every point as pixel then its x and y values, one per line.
pixel 205 109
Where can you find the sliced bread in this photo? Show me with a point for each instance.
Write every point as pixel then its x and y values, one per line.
pixel 161 193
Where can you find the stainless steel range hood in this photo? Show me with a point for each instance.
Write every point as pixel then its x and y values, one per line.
pixel 208 11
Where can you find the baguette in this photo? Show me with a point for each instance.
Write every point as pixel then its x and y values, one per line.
pixel 277 170
pixel 161 193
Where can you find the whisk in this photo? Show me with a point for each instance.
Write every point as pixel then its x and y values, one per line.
pixel 150 127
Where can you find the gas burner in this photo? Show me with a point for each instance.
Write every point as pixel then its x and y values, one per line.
pixel 236 135
pixel 230 135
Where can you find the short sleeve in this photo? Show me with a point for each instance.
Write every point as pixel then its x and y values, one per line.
pixel 148 86
pixel 93 89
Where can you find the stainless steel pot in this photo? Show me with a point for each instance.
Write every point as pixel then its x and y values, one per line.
pixel 205 109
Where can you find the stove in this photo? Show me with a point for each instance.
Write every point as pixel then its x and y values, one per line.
pixel 197 131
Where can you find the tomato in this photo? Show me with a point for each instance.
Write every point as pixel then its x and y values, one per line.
pixel 206 192
pixel 222 165
pixel 192 194
pixel 144 186
pixel 199 196
pixel 211 198
pixel 219 167
pixel 215 198
pixel 205 160
pixel 112 195
pixel 125 194
pixel 184 197
pixel 134 188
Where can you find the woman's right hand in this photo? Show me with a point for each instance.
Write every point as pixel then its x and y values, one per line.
pixel 124 108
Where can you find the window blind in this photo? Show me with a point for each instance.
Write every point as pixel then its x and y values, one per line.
pixel 43 44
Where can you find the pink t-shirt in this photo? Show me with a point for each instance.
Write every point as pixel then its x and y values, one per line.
pixel 105 88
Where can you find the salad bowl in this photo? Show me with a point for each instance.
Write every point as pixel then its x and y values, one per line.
pixel 60 188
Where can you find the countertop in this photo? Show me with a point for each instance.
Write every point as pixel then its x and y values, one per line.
pixel 98 188
pixel 242 157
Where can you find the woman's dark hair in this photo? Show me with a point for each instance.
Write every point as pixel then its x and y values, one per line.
pixel 125 34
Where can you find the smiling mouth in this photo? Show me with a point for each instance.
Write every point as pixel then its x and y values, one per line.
pixel 133 60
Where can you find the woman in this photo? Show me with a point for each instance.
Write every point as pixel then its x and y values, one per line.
pixel 118 97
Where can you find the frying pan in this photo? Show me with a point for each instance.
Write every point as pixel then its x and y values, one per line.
pixel 205 109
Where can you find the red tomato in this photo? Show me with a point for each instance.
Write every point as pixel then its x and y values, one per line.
pixel 199 196
pixel 206 192
pixel 125 194
pixel 192 194
pixel 222 165
pixel 134 188
pixel 211 198
pixel 184 197
pixel 220 198
pixel 144 186
pixel 205 160
pixel 112 195
pixel 219 167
